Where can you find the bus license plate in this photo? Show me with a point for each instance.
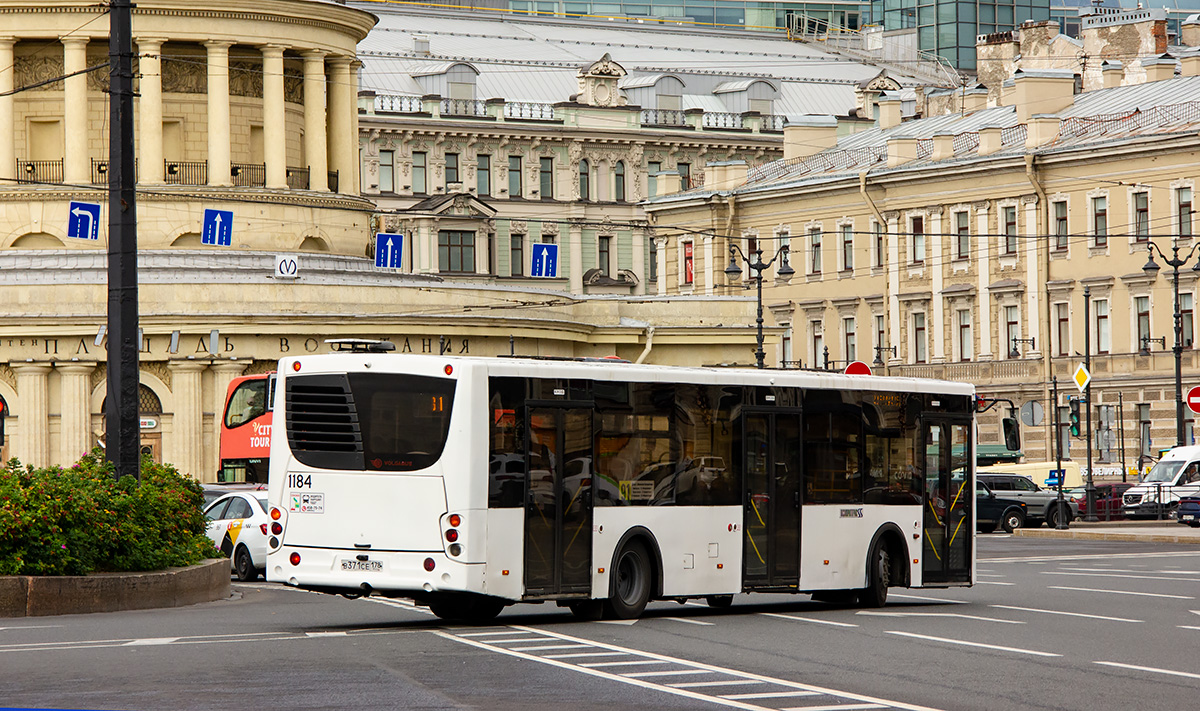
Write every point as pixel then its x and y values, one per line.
pixel 371 566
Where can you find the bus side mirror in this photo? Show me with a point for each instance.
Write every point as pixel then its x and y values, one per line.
pixel 1012 433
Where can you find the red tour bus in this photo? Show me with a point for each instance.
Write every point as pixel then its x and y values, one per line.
pixel 246 429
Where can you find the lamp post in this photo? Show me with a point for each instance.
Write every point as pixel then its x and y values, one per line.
pixel 1151 270
pixel 1146 341
pixel 1014 353
pixel 758 266
pixel 880 350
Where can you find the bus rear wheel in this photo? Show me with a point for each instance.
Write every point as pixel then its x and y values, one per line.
pixel 719 602
pixel 473 608
pixel 879 577
pixel 630 589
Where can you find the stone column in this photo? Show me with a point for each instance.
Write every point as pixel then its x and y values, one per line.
pixel 343 144
pixel 314 120
pixel 150 155
pixel 218 114
pixel 1033 310
pixel 8 149
pixel 575 244
pixel 223 374
pixel 354 135
pixel 708 265
pixel 661 244
pixel 185 449
pixel 639 260
pixel 32 443
pixel 274 120
pixel 75 428
pixel 76 168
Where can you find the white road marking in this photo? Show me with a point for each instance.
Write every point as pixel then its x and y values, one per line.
pixel 587 654
pixel 991 582
pixel 923 597
pixel 618 622
pixel 1062 612
pixel 1090 556
pixel 1170 672
pixel 497 633
pixel 1132 570
pixel 975 644
pixel 684 619
pixel 770 694
pixel 551 646
pixel 621 664
pixel 835 707
pixel 151 641
pixel 325 634
pixel 30 627
pixel 1122 575
pixel 881 613
pixel 1188 627
pixel 1120 592
pixel 731 682
pixel 514 641
pixel 806 619
pixel 666 672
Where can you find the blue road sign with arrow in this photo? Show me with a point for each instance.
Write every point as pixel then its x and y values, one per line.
pixel 218 228
pixel 545 260
pixel 389 250
pixel 84 221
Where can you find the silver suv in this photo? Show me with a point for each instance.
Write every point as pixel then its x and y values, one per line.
pixel 1040 504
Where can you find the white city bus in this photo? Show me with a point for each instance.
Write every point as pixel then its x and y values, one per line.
pixel 469 484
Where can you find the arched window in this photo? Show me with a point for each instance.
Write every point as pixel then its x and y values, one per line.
pixel 585 174
pixel 619 181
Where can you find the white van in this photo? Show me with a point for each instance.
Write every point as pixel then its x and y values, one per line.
pixel 1177 474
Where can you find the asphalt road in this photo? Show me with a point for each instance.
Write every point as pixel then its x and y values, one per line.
pixel 1053 624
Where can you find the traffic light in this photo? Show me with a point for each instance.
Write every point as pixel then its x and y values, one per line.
pixel 1073 417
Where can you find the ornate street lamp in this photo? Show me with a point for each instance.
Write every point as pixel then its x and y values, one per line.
pixel 1151 269
pixel 1014 353
pixel 880 350
pixel 758 266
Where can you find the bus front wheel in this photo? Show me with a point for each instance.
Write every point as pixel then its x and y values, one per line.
pixel 630 589
pixel 879 577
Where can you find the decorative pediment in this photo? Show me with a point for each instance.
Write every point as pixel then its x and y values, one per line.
pixel 463 205
pixel 598 83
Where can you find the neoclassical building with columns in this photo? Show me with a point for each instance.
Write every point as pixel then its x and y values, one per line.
pixel 249 108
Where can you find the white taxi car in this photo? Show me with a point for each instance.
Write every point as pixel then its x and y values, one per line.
pixel 237 524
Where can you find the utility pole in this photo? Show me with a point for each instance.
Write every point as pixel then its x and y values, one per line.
pixel 1087 401
pixel 123 431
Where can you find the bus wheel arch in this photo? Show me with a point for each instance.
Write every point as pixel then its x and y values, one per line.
pixel 885 567
pixel 637 554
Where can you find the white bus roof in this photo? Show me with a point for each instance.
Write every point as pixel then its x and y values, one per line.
pixel 603 369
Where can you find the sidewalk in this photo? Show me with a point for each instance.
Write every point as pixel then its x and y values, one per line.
pixel 1147 531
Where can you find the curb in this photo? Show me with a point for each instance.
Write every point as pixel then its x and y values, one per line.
pixel 1095 534
pixel 37 596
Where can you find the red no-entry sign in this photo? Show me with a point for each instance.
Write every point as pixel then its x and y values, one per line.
pixel 1193 399
pixel 860 368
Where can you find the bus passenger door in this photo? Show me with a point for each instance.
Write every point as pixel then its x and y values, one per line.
pixel 771 519
pixel 558 501
pixel 948 502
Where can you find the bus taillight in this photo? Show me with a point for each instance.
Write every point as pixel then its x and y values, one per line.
pixel 449 369
pixel 276 514
pixel 294 558
pixel 428 564
pixel 452 535
pixel 276 527
pixel 455 520
pixel 296 366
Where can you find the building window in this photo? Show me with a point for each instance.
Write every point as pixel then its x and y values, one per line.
pixel 1141 217
pixel 877 229
pixel 689 263
pixel 451 169
pixel 1183 202
pixel 1145 447
pixel 516 255
pixel 546 178
pixel 549 239
pixel 879 335
pixel 585 180
pixel 653 261
pixel 456 251
pixel 1060 226
pixel 653 168
pixel 1012 329
pixel 387 171
pixel 818 344
pixel 918 240
pixel 1103 334
pixel 419 186
pixel 483 175
pixel 1062 321
pixel 919 354
pixel 962 227
pixel 1010 230
pixel 1186 308
pixel 1141 307
pixel 685 175
pixel 965 343
pixel 514 176
pixel 787 346
pixel 848 248
pixel 814 246
pixel 619 181
pixel 603 245
pixel 1100 221
pixel 850 349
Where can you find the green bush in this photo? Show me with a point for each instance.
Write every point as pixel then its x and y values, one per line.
pixel 80 519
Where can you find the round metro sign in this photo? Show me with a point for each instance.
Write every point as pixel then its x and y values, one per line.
pixel 1192 399
pixel 860 368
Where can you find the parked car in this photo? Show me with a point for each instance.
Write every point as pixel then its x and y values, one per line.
pixel 992 511
pixel 1188 511
pixel 1109 499
pixel 238 525
pixel 212 492
pixel 1041 504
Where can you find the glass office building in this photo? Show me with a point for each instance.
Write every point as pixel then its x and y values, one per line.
pixel 801 17
pixel 948 28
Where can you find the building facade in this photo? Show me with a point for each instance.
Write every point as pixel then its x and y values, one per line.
pixel 1000 245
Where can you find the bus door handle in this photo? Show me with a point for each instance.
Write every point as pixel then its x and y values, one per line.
pixel 362 545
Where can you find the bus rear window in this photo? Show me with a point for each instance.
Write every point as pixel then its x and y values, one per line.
pixel 369 421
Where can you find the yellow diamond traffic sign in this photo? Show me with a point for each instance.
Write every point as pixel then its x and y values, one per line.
pixel 1082 377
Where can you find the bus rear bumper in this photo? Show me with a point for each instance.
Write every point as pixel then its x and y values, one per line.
pixel 353 572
